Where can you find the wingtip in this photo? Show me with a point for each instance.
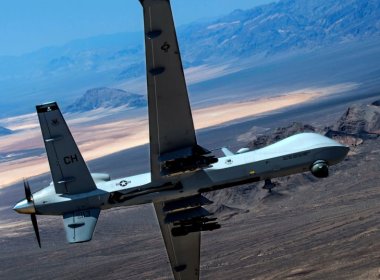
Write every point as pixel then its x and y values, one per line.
pixel 47 107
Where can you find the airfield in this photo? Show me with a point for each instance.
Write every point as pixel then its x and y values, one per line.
pixel 308 229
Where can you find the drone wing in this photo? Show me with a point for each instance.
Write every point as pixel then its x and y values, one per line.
pixel 181 222
pixel 183 251
pixel 173 144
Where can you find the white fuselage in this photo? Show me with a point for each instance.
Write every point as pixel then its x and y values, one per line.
pixel 292 155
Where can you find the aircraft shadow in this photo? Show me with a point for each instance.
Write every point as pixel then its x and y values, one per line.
pixel 273 196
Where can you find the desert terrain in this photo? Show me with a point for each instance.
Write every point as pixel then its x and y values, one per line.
pixel 106 131
pixel 307 229
pixel 253 76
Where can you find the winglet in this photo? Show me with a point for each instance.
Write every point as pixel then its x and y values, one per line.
pixel 47 107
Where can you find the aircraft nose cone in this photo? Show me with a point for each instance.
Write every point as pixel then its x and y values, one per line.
pixel 25 207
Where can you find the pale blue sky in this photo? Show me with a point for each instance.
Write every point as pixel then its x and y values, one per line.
pixel 27 25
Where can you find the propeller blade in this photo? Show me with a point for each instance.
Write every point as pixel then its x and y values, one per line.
pixel 28 193
pixel 29 198
pixel 35 226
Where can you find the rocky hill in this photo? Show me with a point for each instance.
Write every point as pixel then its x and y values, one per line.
pixel 357 128
pixel 279 134
pixel 106 98
pixel 360 119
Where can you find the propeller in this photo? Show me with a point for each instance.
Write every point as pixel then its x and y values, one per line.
pixel 29 198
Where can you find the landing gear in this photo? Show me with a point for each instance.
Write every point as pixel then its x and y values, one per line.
pixel 269 185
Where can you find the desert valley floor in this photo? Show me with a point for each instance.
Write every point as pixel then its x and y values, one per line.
pixel 307 229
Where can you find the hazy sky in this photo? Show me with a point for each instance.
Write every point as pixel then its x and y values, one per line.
pixel 27 25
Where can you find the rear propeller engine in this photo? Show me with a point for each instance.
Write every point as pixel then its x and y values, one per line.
pixel 26 206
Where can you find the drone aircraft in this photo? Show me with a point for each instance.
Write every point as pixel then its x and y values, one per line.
pixel 181 170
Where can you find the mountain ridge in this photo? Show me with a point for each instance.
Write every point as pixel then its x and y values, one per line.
pixel 284 25
pixel 104 97
pixel 283 28
pixel 270 28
